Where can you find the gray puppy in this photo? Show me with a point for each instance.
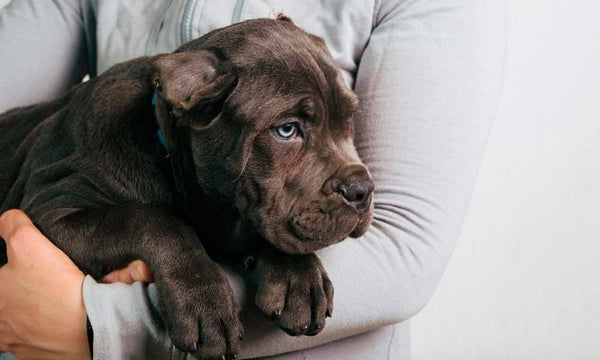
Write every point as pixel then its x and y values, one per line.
pixel 239 143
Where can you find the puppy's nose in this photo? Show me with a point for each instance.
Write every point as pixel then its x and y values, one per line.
pixel 358 194
pixel 357 188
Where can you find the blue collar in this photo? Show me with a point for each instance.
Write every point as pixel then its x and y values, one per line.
pixel 159 133
pixel 163 141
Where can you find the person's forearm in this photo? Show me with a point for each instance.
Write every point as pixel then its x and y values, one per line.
pixel 429 84
pixel 126 319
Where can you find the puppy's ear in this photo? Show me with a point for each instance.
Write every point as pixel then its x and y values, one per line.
pixel 185 79
pixel 191 86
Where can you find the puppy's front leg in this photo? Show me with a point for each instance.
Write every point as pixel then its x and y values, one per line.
pixel 196 299
pixel 293 290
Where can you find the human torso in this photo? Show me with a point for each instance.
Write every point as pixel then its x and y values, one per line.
pixel 128 29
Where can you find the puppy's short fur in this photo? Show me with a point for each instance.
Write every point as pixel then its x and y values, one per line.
pixel 255 157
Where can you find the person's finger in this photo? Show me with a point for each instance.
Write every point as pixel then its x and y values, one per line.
pixel 122 275
pixel 23 240
pixel 27 246
pixel 13 221
pixel 135 271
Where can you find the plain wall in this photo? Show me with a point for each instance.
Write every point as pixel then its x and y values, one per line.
pixel 524 282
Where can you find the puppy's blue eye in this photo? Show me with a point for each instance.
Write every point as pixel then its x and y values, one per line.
pixel 287 131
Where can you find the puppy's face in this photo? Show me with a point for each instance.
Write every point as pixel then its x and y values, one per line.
pixel 268 122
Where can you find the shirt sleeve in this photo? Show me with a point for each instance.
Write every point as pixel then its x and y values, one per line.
pixel 429 82
pixel 127 323
pixel 43 50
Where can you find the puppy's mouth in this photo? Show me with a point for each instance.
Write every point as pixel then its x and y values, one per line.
pixel 316 227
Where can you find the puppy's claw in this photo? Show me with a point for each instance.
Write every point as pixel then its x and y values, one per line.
pixel 328 313
pixel 277 314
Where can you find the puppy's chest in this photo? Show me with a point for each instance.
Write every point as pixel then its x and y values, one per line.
pixel 223 232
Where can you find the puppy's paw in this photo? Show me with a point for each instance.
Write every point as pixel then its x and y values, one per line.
pixel 295 292
pixel 201 314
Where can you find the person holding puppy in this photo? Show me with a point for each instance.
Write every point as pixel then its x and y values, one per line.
pixel 428 80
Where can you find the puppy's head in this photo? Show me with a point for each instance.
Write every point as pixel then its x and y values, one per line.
pixel 263 109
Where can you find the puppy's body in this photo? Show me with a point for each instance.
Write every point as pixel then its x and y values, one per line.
pixel 96 145
pixel 256 157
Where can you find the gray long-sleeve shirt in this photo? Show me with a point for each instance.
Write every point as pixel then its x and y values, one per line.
pixel 428 75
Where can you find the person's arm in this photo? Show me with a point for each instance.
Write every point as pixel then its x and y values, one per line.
pixel 43 50
pixel 429 83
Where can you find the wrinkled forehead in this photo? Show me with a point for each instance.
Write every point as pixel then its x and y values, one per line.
pixel 282 68
pixel 267 95
pixel 278 66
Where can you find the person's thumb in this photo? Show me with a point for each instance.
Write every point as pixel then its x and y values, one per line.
pixel 23 240
pixel 135 271
pixel 13 222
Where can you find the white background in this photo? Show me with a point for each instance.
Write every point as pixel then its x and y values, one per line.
pixel 524 282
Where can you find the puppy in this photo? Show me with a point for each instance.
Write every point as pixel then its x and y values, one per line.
pixel 239 143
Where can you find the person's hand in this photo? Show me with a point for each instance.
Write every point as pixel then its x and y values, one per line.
pixel 42 315
pixel 136 271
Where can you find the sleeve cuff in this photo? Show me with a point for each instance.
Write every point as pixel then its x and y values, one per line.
pixel 126 321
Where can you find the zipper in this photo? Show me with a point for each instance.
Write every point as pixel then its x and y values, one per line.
pixel 237 11
pixel 186 20
pixel 188 17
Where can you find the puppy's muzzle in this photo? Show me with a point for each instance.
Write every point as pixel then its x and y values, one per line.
pixel 354 184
